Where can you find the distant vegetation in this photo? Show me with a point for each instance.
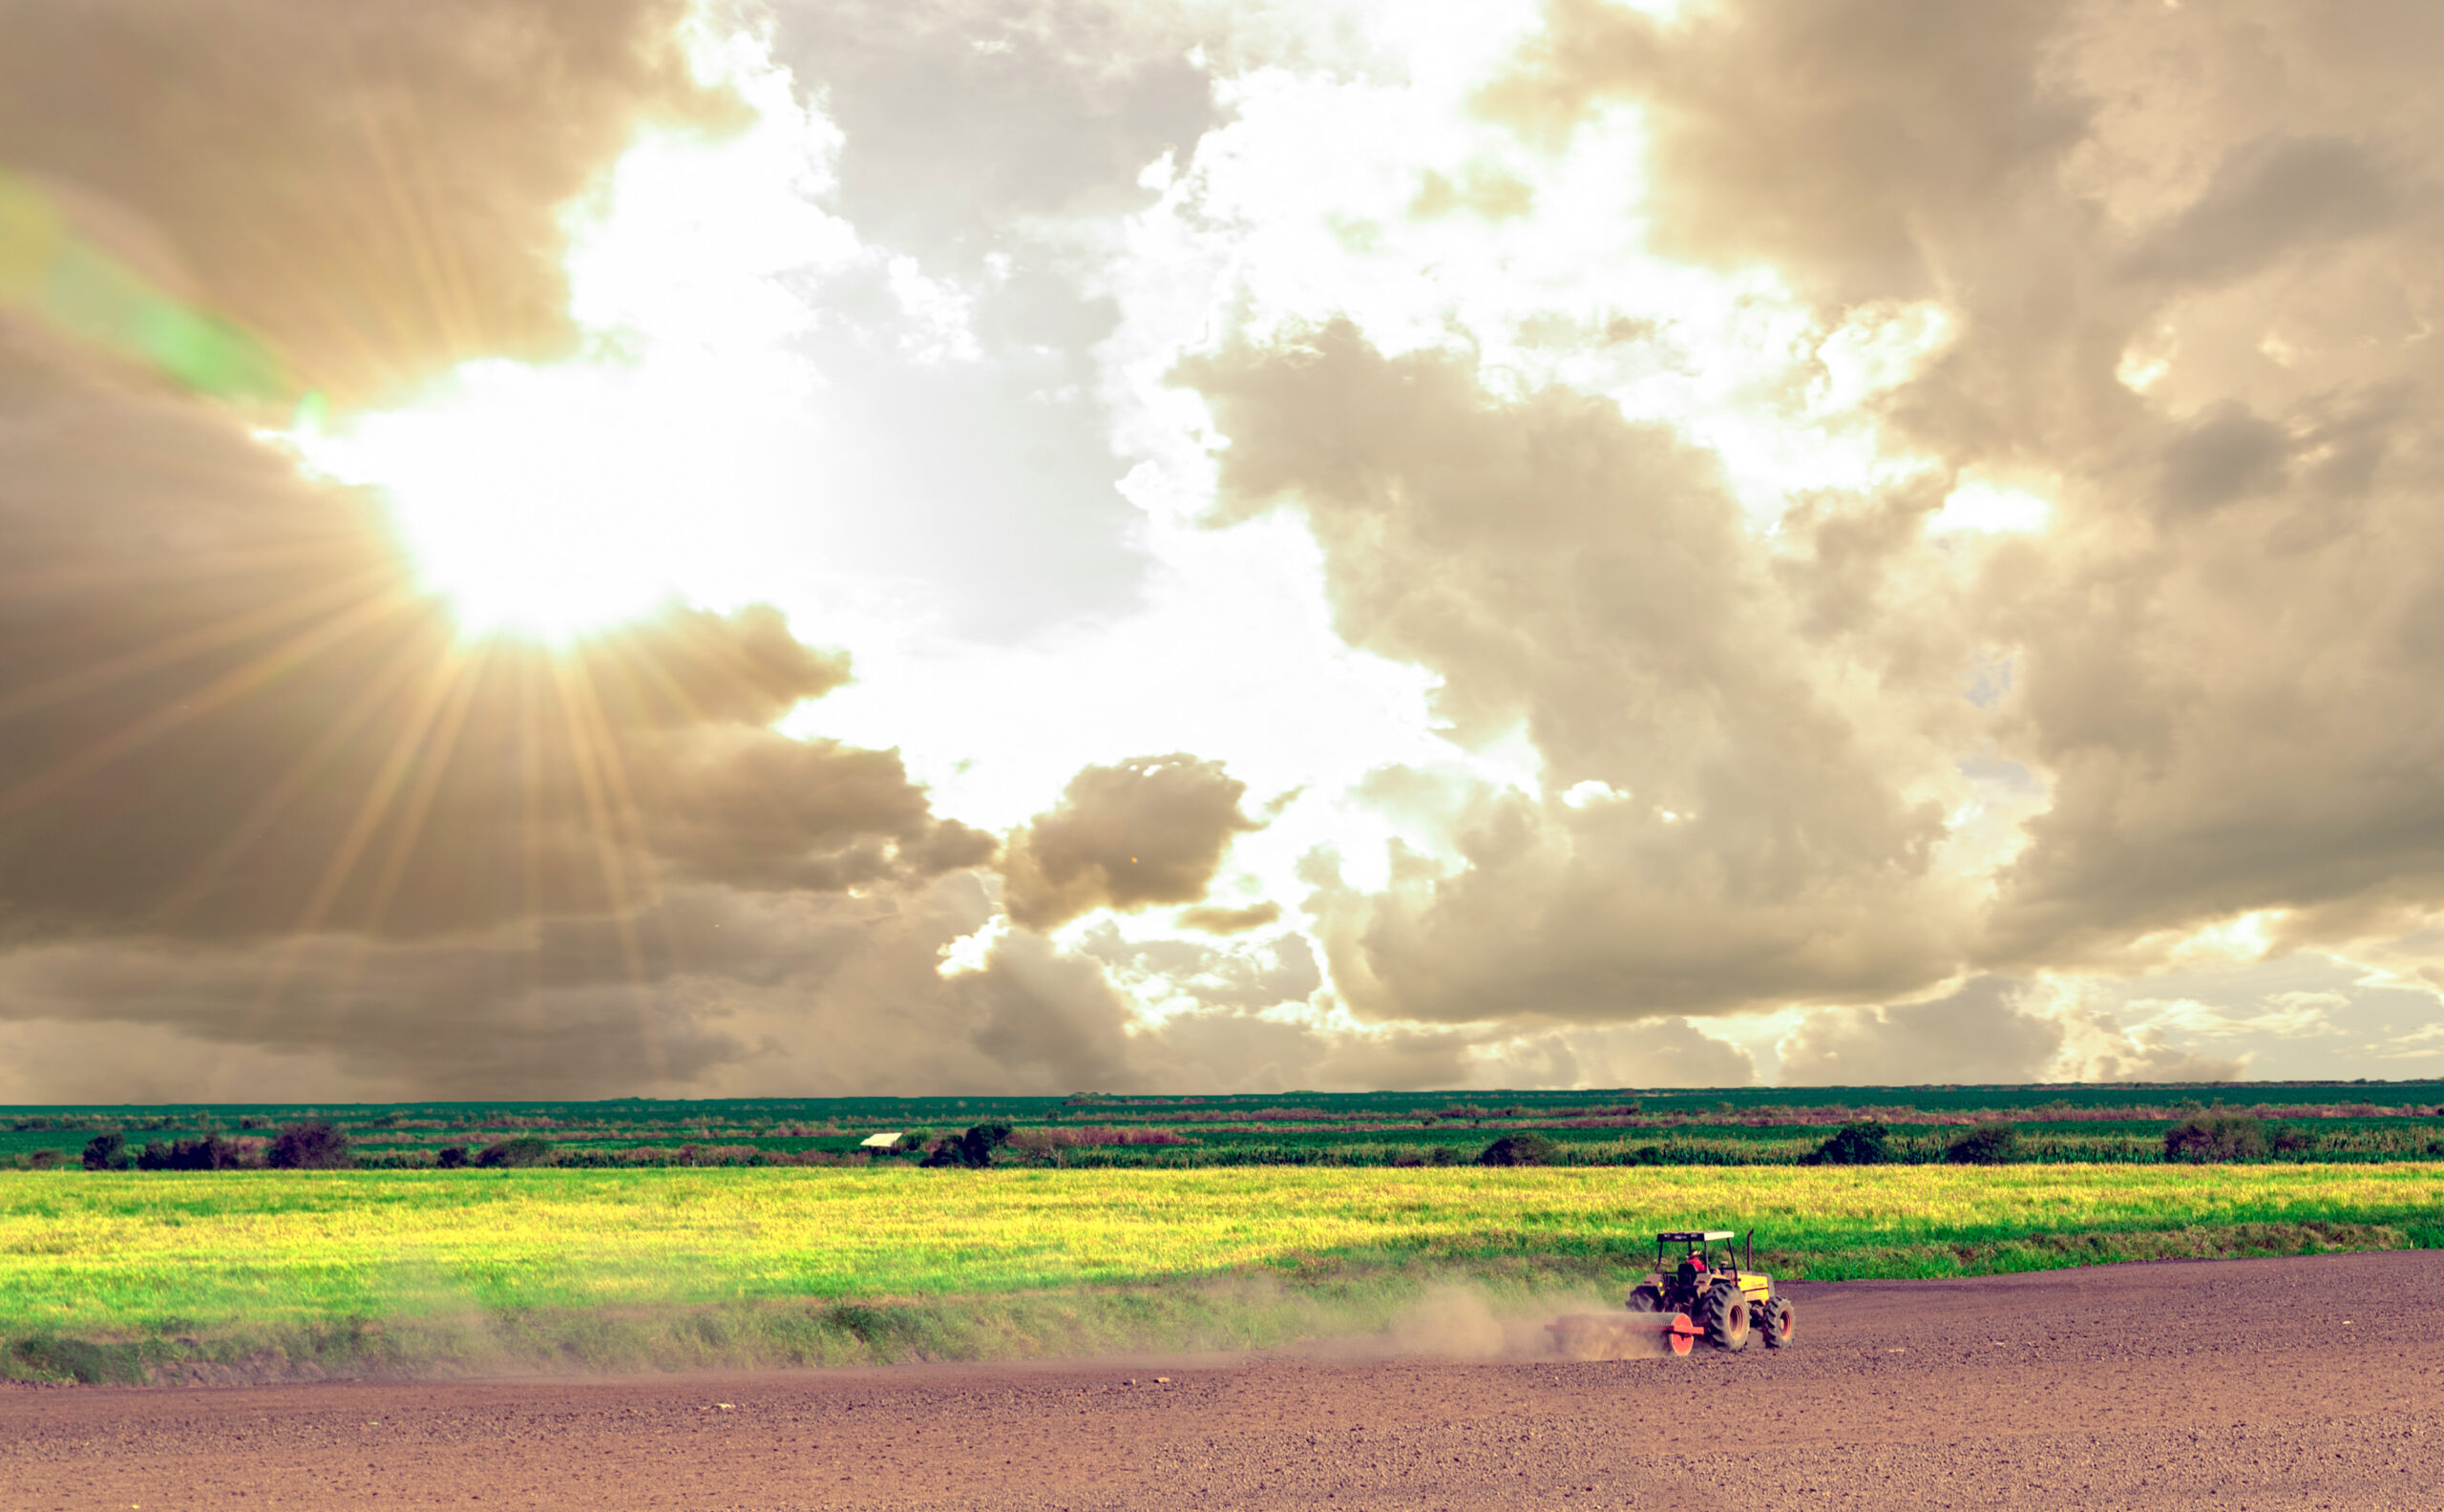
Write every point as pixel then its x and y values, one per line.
pixel 2232 1137
pixel 1866 1143
pixel 1526 1148
pixel 2121 1124
pixel 1986 1145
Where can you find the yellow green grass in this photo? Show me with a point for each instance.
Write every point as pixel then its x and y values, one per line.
pixel 796 1263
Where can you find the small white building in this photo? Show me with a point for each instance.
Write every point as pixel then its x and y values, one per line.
pixel 890 1141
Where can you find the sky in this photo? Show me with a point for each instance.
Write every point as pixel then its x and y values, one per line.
pixel 592 548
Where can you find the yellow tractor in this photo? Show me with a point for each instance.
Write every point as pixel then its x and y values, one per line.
pixel 1703 1294
pixel 1728 1301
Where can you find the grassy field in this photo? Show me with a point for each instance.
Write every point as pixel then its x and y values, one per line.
pixel 778 1265
pixel 2122 1123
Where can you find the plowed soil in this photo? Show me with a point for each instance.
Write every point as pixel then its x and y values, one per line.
pixel 2253 1384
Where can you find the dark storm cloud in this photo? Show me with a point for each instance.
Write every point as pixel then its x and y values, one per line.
pixel 1148 830
pixel 376 187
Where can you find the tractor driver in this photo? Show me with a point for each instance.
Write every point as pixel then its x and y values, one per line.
pixel 1691 1269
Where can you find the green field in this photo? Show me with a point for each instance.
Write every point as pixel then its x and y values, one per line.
pixel 424 1270
pixel 2119 1124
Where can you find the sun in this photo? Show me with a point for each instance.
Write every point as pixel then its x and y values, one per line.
pixel 517 499
pixel 544 502
pixel 660 461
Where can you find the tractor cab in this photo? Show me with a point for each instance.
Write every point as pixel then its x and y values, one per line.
pixel 1696 1251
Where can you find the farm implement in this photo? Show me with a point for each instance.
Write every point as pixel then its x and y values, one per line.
pixel 1704 1294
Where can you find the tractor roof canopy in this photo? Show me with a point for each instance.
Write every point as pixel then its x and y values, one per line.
pixel 1694 1236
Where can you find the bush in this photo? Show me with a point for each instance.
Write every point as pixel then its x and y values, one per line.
pixel 1860 1143
pixel 972 1149
pixel 106 1152
pixel 526 1149
pixel 1647 1155
pixel 1443 1155
pixel 211 1152
pixel 2216 1138
pixel 450 1157
pixel 1986 1145
pixel 1524 1148
pixel 312 1146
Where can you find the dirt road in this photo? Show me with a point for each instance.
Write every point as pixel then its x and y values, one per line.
pixel 2254 1384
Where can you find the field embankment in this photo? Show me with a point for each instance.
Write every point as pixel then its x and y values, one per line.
pixel 168 1275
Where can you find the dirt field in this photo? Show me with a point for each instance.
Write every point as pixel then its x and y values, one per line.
pixel 2253 1384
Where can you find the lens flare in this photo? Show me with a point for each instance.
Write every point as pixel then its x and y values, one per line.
pixel 73 287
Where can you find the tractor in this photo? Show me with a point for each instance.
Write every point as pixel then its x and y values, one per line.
pixel 1729 1301
pixel 1702 1295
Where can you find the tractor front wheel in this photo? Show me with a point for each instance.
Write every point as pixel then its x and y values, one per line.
pixel 1774 1321
pixel 1724 1316
pixel 1646 1299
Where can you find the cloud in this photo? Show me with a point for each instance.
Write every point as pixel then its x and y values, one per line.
pixel 1618 396
pixel 963 117
pixel 2181 288
pixel 230 712
pixel 1248 975
pixel 259 798
pixel 2269 196
pixel 2096 1048
pixel 1979 1033
pixel 704 989
pixel 1663 1053
pixel 1046 1019
pixel 1589 580
pixel 1231 920
pixel 1989 1030
pixel 377 193
pixel 1148 830
pixel 1820 136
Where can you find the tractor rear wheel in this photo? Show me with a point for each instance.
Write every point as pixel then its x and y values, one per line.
pixel 1646 1299
pixel 1774 1322
pixel 1724 1316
